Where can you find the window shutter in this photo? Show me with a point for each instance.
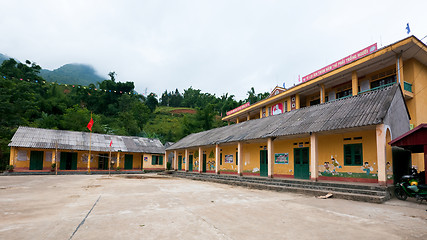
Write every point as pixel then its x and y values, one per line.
pixel 160 160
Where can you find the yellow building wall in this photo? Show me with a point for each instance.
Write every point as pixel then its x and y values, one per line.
pixel 287 146
pixel 331 155
pixel 228 150
pixel 147 161
pixel 251 157
pixel 182 154
pixel 416 73
pixel 23 165
pixel 210 159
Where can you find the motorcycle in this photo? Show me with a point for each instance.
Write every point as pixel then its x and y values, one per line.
pixel 409 187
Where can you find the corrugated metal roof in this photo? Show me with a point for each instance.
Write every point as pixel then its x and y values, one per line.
pixel 70 140
pixel 364 109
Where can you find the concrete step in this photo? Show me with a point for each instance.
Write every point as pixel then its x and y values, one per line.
pixel 357 192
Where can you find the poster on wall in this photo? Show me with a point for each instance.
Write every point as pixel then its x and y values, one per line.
pixel 22 155
pixel 281 158
pixel 85 157
pixel 229 158
pixel 277 109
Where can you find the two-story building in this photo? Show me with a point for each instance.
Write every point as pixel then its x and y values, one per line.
pixel 327 127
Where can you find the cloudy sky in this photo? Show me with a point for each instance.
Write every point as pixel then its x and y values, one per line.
pixel 216 46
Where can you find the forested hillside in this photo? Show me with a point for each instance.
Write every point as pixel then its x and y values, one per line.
pixel 29 100
pixel 77 74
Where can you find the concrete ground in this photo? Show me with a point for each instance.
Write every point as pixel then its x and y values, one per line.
pixel 161 207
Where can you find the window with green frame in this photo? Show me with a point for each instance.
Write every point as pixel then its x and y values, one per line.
pixel 353 154
pixel 157 160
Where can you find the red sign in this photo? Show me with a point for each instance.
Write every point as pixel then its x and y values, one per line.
pixel 351 58
pixel 277 109
pixel 239 108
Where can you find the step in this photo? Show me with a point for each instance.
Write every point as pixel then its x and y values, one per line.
pixel 339 190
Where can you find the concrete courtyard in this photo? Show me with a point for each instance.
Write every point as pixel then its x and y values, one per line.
pixel 161 207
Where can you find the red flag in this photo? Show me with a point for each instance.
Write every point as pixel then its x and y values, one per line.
pixel 90 124
pixel 111 143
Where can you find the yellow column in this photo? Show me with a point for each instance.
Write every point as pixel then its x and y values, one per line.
pixel 165 161
pixel 118 159
pixel 12 156
pixel 175 160
pixel 200 159
pixel 237 120
pixel 270 157
pixel 354 83
pixel 314 157
pixel 217 159
pixel 187 165
pixel 297 101
pixel 399 70
pixel 381 154
pixel 260 113
pixel 248 117
pixel 322 93
pixel 239 159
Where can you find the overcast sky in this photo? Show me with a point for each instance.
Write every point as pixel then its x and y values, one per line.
pixel 216 46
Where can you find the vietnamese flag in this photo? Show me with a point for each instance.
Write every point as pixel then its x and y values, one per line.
pixel 111 143
pixel 90 124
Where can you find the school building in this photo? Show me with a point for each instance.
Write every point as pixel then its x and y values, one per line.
pixel 335 125
pixel 36 150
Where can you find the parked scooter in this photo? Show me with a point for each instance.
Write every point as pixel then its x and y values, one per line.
pixel 409 187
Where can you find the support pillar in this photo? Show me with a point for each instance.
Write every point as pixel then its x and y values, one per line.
pixel 187 163
pixel 322 93
pixel 239 159
pixel 399 70
pixel 381 154
pixel 175 160
pixel 217 154
pixel 425 163
pixel 12 156
pixel 237 120
pixel 297 101
pixel 200 160
pixel 118 159
pixel 248 117
pixel 165 161
pixel 314 157
pixel 270 157
pixel 354 83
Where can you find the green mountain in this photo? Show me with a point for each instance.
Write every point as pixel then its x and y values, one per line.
pixel 3 57
pixel 77 74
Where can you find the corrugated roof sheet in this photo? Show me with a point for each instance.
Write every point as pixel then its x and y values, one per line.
pixel 70 140
pixel 364 109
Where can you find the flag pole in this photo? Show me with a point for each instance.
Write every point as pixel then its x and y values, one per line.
pixel 90 146
pixel 109 163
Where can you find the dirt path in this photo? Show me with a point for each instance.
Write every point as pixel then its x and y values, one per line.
pixel 155 207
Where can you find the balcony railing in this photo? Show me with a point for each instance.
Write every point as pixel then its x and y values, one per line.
pixel 407 86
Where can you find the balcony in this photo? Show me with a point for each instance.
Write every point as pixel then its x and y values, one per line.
pixel 407 90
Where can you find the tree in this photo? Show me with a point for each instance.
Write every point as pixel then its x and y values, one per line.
pixel 151 101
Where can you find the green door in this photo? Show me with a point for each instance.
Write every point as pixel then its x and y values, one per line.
pixel 128 162
pixel 36 160
pixel 204 163
pixel 190 163
pixel 263 163
pixel 301 163
pixel 73 161
pixel 179 162
pixel 103 160
pixel 68 161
